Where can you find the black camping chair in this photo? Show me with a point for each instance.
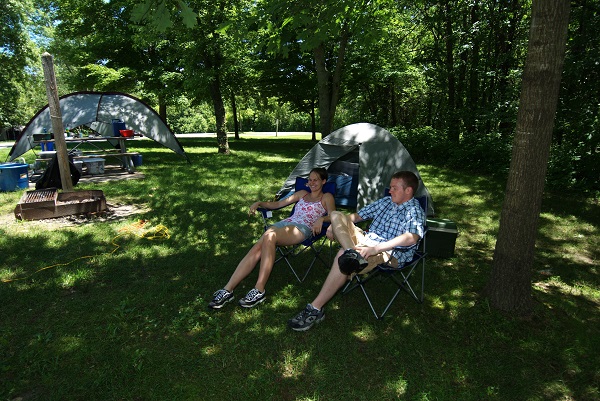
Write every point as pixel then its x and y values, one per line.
pixel 403 276
pixel 316 243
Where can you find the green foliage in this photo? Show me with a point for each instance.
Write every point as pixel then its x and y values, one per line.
pixel 411 65
pixel 15 54
pixel 574 167
pixel 159 13
pixel 487 155
pixel 185 118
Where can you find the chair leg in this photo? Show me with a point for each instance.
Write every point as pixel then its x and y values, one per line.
pixel 286 254
pixel 357 281
pixel 402 283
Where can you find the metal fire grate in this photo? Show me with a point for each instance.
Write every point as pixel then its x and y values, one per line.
pixel 49 203
pixel 43 195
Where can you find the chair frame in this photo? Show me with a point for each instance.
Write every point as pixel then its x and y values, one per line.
pixel 401 276
pixel 315 243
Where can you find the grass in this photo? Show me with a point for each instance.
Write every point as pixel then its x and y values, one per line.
pixel 118 316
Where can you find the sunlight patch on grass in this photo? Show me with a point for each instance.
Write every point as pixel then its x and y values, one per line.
pixel 294 365
pixel 70 279
pixel 558 390
pixel 7 275
pixel 275 330
pixel 284 298
pixel 69 344
pixel 211 350
pixel 249 317
pixel 313 398
pixel 365 333
pixel 555 283
pixel 436 302
pixel 276 159
pixel 397 388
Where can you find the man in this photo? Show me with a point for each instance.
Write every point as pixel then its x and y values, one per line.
pixel 397 221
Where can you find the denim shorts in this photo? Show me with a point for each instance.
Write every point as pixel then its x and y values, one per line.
pixel 303 228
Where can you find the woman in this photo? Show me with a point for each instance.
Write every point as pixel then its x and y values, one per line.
pixel 312 210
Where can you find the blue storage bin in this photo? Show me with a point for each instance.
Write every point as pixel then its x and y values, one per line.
pixel 13 176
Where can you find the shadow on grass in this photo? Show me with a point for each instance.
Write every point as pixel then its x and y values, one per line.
pixel 133 324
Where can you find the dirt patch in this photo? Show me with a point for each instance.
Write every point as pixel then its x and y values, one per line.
pixel 114 212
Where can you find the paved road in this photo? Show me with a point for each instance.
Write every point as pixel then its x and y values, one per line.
pixel 9 144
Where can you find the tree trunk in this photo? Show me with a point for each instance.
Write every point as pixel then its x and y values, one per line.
pixel 162 107
pixel 509 286
pixel 329 84
pixel 313 124
pixel 236 123
pixel 219 106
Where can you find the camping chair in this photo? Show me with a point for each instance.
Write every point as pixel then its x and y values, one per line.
pixel 316 243
pixel 402 275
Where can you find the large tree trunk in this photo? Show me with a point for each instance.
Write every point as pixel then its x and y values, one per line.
pixel 328 83
pixel 509 286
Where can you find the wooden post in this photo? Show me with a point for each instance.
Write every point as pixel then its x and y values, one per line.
pixel 57 123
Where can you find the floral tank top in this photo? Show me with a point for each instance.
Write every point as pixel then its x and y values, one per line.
pixel 307 212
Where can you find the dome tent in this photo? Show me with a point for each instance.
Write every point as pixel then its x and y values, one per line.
pixel 361 159
pixel 97 110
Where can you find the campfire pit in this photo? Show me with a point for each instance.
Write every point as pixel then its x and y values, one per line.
pixel 49 203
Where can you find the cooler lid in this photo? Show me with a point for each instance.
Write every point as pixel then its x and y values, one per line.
pixel 446 225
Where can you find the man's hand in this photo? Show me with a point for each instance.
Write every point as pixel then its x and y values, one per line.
pixel 367 251
pixel 329 233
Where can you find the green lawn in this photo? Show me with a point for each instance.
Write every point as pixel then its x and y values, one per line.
pixel 100 311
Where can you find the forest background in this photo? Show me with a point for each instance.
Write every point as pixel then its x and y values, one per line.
pixel 444 76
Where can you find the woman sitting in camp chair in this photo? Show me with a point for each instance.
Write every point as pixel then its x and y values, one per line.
pixel 312 210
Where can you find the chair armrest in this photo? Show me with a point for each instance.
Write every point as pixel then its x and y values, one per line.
pixel 266 213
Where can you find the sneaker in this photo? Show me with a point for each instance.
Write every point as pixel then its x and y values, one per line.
pixel 252 298
pixel 305 319
pixel 351 261
pixel 221 297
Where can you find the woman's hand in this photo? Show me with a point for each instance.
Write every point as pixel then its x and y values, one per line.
pixel 318 226
pixel 253 208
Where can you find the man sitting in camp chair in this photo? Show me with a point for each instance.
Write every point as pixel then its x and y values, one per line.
pixel 397 221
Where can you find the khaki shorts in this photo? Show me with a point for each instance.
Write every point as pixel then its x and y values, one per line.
pixel 360 239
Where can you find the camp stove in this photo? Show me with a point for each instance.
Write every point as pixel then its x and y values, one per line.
pixel 49 203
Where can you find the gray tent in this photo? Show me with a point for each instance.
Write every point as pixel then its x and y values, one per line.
pixel 98 110
pixel 361 159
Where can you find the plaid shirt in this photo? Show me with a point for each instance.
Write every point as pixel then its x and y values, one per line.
pixel 391 220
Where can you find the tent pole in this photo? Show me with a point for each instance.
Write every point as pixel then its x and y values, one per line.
pixel 57 123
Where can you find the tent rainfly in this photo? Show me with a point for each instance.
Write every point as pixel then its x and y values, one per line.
pixel 97 110
pixel 361 159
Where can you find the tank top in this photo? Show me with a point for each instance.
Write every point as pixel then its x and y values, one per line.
pixel 307 212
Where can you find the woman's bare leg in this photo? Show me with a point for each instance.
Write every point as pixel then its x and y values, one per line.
pixel 245 267
pixel 264 251
pixel 285 236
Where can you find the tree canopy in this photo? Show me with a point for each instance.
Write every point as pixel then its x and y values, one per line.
pixel 445 75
